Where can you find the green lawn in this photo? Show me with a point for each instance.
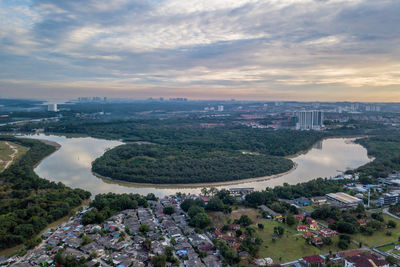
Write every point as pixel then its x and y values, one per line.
pixel 386 247
pixel 220 218
pixel 380 237
pixel 291 245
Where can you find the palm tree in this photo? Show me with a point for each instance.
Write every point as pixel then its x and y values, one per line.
pixel 204 191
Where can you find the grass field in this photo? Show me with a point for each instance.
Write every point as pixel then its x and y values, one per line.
pixel 290 246
pixel 386 247
pixel 219 218
pixel 7 153
pixel 380 237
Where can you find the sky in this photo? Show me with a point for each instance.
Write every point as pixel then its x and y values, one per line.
pixel 313 50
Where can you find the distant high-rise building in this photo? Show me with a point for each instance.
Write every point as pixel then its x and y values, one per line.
pixel 220 108
pixel 310 120
pixel 52 107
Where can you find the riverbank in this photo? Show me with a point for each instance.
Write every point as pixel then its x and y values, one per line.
pixel 57 146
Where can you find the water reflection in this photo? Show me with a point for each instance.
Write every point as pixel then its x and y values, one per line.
pixel 71 164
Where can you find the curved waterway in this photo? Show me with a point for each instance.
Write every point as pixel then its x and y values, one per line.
pixel 71 165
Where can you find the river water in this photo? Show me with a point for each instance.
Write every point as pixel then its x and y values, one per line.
pixel 71 165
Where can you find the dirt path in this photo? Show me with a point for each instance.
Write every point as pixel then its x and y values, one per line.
pixel 13 155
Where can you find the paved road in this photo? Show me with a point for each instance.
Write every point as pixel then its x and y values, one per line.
pixel 386 211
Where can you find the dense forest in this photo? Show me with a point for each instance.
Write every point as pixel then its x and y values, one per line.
pixel 29 203
pixel 386 151
pixel 196 155
pixel 184 164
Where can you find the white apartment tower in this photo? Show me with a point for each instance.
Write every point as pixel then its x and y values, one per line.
pixel 310 120
pixel 52 107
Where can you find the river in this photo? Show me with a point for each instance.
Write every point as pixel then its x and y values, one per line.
pixel 71 165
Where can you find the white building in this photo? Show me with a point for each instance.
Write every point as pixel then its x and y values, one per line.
pixel 310 120
pixel 52 107
pixel 220 108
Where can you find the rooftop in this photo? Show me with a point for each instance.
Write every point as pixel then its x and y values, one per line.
pixel 343 197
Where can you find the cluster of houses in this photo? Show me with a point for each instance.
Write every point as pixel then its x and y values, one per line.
pixel 352 258
pixel 108 244
pixel 311 230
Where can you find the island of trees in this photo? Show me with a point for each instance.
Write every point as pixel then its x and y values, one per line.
pixel 204 155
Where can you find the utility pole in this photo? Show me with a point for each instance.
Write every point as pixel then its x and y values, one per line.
pixel 369 196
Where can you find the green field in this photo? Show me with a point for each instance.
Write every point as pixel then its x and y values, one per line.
pixel 380 237
pixel 291 245
pixel 386 248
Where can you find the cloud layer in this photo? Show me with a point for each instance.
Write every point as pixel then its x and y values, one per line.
pixel 245 49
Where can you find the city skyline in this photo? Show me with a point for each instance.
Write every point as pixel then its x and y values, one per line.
pixel 303 50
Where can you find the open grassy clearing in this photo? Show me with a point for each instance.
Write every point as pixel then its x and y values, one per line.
pixel 380 237
pixel 9 152
pixel 219 218
pixel 291 245
pixel 386 247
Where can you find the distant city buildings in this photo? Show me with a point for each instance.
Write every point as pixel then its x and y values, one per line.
pixel 52 107
pixel 179 99
pixel 310 120
pixel 220 108
pixel 92 99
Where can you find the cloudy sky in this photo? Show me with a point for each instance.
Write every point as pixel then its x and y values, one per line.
pixel 323 50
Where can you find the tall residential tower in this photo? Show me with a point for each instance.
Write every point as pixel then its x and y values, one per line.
pixel 310 120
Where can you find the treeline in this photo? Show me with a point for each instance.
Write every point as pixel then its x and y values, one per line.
pixel 317 187
pixel 106 205
pixel 29 203
pixel 189 132
pixel 386 151
pixel 185 164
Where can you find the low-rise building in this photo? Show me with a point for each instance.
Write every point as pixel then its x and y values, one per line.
pixel 388 199
pixel 303 201
pixel 365 260
pixel 343 199
pixel 327 232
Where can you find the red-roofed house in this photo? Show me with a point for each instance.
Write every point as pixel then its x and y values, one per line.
pixel 362 222
pixel 310 220
pixel 307 235
pixel 349 253
pixel 314 226
pixel 317 241
pixel 298 217
pixel 330 220
pixel 205 199
pixel 327 232
pixel 314 259
pixel 206 247
pixel 365 260
pixel 302 228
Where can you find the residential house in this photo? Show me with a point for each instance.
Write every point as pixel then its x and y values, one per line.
pixel 303 201
pixel 365 260
pixel 314 226
pixel 302 228
pixel 314 260
pixel 298 217
pixel 327 232
pixel 317 241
